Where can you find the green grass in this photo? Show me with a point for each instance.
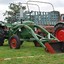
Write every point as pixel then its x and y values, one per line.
pixel 26 50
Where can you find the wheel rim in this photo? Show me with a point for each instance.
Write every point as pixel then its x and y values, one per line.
pixel 13 43
pixel 60 34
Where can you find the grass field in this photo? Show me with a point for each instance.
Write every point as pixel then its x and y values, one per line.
pixel 28 54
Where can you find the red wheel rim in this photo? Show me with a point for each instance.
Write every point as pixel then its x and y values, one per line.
pixel 13 43
pixel 60 34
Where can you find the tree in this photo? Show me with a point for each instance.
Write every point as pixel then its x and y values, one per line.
pixel 11 15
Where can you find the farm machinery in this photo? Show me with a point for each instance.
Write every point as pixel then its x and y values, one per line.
pixel 18 33
pixel 25 30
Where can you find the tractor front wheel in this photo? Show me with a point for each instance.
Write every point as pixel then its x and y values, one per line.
pixel 14 42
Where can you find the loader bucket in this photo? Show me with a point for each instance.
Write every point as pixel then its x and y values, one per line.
pixel 57 47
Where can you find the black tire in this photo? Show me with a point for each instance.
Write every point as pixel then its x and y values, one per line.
pixel 57 28
pixel 14 42
pixel 60 26
pixel 1 36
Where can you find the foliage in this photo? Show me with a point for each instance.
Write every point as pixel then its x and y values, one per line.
pixel 11 15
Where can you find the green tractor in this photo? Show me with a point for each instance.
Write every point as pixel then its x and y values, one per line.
pixel 17 33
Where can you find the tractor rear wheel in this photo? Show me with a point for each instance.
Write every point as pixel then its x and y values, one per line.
pixel 14 42
pixel 59 31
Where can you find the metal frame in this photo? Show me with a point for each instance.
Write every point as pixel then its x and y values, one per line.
pixel 30 4
pixel 41 2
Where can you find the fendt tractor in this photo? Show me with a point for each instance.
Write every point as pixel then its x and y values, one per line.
pixel 35 26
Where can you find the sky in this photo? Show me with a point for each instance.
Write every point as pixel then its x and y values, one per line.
pixel 58 5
